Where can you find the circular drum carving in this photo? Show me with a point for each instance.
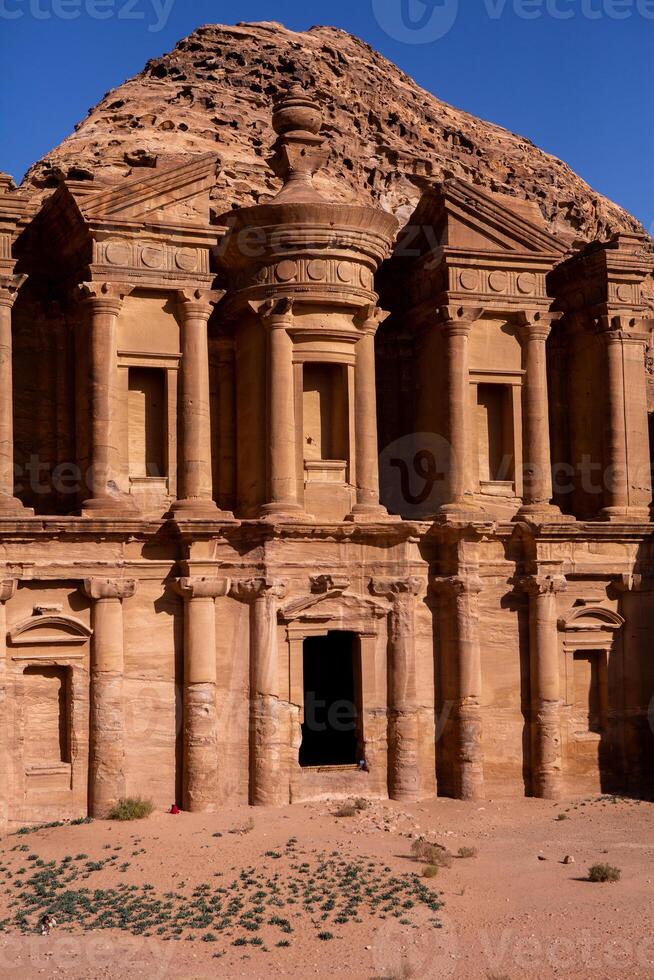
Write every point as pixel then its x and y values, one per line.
pixel 345 272
pixel 526 283
pixel 152 257
pixel 624 293
pixel 286 270
pixel 498 282
pixel 317 270
pixel 366 277
pixel 186 259
pixel 117 253
pixel 469 279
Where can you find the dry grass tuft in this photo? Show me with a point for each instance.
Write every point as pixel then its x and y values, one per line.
pixel 131 808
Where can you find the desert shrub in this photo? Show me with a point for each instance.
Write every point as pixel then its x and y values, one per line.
pixel 131 808
pixel 360 803
pixel 430 871
pixel 467 852
pixel 562 816
pixel 430 853
pixel 604 872
pixel 347 810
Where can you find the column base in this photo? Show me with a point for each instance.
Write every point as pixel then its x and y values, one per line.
pixel 13 507
pixel 199 508
pixel 462 511
pixel 543 513
pixel 369 514
pixel 284 512
pixel 627 515
pixel 109 505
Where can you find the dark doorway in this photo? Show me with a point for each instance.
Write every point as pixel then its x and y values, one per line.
pixel 331 712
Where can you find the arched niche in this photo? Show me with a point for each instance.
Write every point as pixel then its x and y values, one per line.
pixel 592 655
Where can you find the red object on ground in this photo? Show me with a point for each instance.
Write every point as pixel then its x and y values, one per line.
pixel 174 809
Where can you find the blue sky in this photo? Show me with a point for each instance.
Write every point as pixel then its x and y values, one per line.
pixel 575 76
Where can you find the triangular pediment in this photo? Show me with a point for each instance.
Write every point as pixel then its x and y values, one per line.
pixel 459 215
pixel 173 196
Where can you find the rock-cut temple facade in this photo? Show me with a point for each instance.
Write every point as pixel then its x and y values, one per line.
pixel 293 504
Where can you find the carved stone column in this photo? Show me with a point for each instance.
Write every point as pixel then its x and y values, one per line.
pixel 635 735
pixel 367 506
pixel 267 734
pixel 456 324
pixel 195 483
pixel 403 731
pixel 534 329
pixel 460 656
pixel 104 302
pixel 226 425
pixel 545 684
pixel 200 722
pixel 8 589
pixel 9 505
pixel 282 482
pixel 627 479
pixel 107 723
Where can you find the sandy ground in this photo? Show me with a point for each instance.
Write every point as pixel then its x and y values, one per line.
pixel 514 910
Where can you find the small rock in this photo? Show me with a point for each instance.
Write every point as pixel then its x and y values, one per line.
pixel 568 859
pixel 541 857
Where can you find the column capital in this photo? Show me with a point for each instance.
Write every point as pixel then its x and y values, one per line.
pixel 109 588
pixel 274 313
pixel 9 286
pixel 629 582
pixel 394 588
pixel 370 317
pixel 199 587
pixel 457 321
pixel 543 584
pixel 8 587
pixel 456 585
pixel 535 324
pixel 248 590
pixel 620 328
pixel 104 297
pixel 198 303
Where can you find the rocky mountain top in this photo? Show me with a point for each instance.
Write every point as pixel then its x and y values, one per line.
pixel 389 138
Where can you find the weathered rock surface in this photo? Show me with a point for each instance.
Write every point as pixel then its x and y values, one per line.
pixel 389 137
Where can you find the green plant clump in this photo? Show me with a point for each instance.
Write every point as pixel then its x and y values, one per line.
pixel 604 872
pixel 131 808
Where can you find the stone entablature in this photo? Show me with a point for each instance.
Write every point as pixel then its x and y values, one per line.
pixel 153 641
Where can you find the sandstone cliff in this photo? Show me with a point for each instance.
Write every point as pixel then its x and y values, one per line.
pixel 389 137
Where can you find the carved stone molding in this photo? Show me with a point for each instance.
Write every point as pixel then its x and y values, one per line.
pixel 329 583
pixel 198 587
pixel 392 588
pixel 108 588
pixel 454 585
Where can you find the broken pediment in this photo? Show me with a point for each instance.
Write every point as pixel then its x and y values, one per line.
pixel 459 215
pixel 591 619
pixel 176 195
